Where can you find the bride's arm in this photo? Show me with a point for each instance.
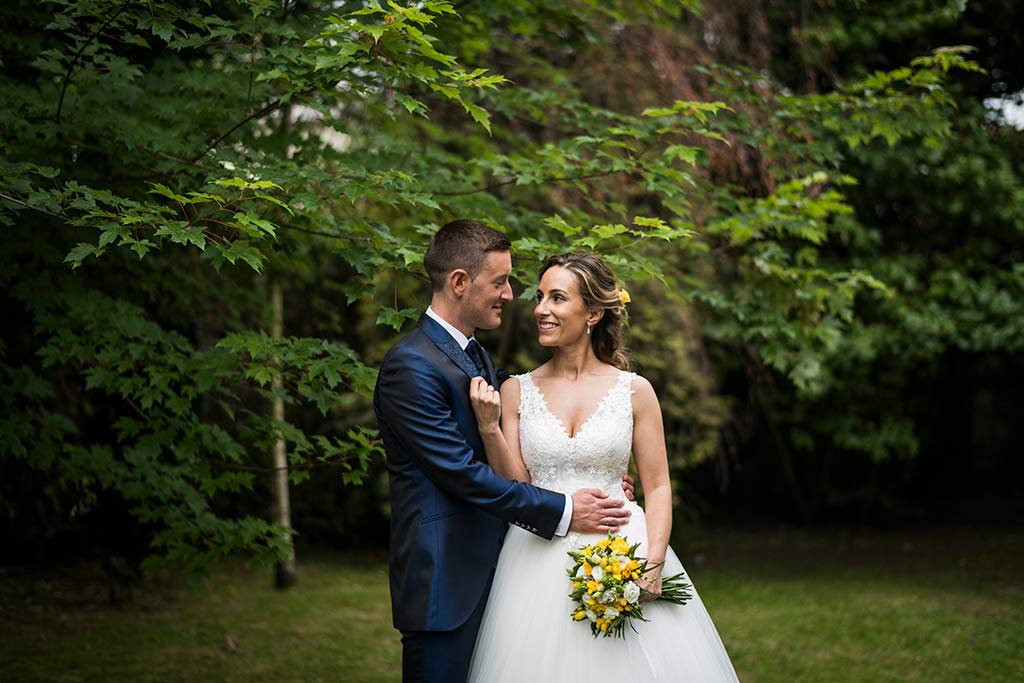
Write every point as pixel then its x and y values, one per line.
pixel 652 466
pixel 500 442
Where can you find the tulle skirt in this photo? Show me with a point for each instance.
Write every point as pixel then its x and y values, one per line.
pixel 527 633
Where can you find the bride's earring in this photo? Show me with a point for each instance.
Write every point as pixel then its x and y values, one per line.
pixel 588 328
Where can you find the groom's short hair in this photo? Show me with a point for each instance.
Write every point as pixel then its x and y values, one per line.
pixel 461 244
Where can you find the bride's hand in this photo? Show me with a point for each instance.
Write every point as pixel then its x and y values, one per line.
pixel 628 488
pixel 650 585
pixel 486 403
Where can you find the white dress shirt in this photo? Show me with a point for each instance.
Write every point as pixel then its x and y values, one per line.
pixel 462 340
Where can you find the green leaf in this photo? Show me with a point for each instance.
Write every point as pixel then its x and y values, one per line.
pixel 141 247
pixel 396 318
pixel 375 31
pixel 81 251
pixel 682 152
pixel 158 25
pixel 163 190
pixel 451 92
pixel 411 104
pixel 479 115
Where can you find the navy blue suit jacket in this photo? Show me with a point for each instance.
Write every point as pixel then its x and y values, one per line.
pixel 448 507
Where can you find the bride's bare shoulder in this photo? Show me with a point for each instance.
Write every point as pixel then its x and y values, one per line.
pixel 643 391
pixel 641 382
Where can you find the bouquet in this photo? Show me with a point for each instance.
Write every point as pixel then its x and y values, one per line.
pixel 605 586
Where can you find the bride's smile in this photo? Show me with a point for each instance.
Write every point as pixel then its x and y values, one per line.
pixel 561 313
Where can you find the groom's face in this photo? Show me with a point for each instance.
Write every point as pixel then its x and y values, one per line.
pixel 488 292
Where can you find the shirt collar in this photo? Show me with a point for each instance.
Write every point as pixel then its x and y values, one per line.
pixel 461 339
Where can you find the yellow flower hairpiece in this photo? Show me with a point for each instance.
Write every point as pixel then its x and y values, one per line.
pixel 624 297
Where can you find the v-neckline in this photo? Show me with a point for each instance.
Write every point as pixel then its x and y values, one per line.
pixel 585 423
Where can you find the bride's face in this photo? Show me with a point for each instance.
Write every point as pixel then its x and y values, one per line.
pixel 560 312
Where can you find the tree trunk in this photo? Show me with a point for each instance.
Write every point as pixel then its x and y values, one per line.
pixel 284 572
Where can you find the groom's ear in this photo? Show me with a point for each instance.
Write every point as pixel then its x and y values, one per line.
pixel 458 280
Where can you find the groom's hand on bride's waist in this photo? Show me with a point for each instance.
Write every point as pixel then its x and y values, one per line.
pixel 594 512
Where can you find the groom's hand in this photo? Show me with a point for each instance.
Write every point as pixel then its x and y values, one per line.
pixel 593 512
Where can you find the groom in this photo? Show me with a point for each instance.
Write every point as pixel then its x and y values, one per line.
pixel 448 507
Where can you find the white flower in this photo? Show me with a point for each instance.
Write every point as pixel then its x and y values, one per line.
pixel 611 613
pixel 580 574
pixel 631 592
pixel 609 596
pixel 591 615
pixel 597 573
pixel 587 599
pixel 623 561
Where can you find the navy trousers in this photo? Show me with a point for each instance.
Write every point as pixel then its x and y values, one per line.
pixel 442 656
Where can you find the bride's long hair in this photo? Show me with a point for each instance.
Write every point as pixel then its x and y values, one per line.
pixel 600 290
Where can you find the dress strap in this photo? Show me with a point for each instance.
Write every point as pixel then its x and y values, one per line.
pixel 621 394
pixel 527 392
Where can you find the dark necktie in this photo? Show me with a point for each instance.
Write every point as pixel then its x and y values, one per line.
pixel 476 354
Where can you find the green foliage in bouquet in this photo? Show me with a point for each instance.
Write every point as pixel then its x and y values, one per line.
pixel 606 589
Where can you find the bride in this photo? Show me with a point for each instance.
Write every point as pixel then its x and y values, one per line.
pixel 569 424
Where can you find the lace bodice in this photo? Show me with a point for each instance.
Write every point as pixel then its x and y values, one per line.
pixel 596 457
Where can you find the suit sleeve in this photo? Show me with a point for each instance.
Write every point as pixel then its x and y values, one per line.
pixel 414 407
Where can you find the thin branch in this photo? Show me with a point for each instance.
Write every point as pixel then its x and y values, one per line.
pixel 544 126
pixel 171 157
pixel 15 200
pixel 66 219
pixel 288 226
pixel 238 465
pixel 557 181
pixel 78 55
pixel 255 115
pixel 144 148
pixel 338 462
pixel 252 66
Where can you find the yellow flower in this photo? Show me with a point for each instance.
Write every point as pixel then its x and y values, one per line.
pixel 592 586
pixel 624 297
pixel 586 568
pixel 582 614
pixel 603 543
pixel 619 545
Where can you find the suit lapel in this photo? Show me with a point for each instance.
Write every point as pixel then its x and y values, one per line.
pixel 443 341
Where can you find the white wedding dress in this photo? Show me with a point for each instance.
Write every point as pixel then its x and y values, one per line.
pixel 527 634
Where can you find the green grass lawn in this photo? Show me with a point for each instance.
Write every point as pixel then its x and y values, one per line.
pixel 791 607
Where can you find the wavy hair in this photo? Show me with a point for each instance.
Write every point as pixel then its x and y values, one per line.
pixel 600 291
